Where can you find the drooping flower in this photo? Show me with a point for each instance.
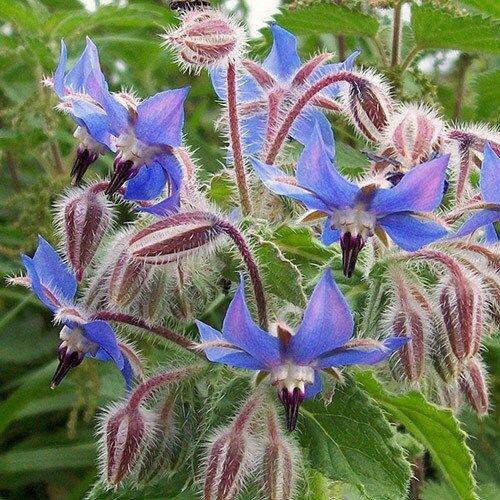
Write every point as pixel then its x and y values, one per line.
pixel 78 90
pixel 145 135
pixel 490 190
pixel 323 340
pixel 55 285
pixel 278 82
pixel 354 212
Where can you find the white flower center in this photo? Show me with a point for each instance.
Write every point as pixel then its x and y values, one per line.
pixel 290 376
pixel 75 341
pixel 355 221
pixel 88 142
pixel 131 148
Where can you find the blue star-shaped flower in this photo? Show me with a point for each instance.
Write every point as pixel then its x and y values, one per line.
pixel 489 185
pixel 285 76
pixel 78 90
pixel 354 213
pixel 55 285
pixel 323 340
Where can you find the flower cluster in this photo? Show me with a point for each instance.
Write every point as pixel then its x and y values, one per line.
pixel 177 259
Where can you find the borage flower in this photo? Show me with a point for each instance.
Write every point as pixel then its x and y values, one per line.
pixel 354 212
pixel 293 361
pixel 78 91
pixel 489 185
pixel 145 135
pixel 55 285
pixel 274 85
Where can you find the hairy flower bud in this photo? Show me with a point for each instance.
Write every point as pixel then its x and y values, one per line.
pixel 413 134
pixel 368 104
pixel 84 217
pixel 231 455
pixel 206 39
pixel 126 431
pixel 472 383
pixel 278 474
pixel 175 237
pixel 410 317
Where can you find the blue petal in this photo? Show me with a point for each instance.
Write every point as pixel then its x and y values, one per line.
pixel 490 234
pixel 283 61
pixel 329 235
pixel 168 206
pixel 94 118
pixel 316 173
pixel 147 184
pixel 225 355
pixel 421 189
pixel 59 72
pixel 119 117
pixel 312 389
pixel 253 130
pixel 53 303
pixel 490 175
pixel 248 89
pixel 239 329
pixel 303 128
pixel 362 356
pixel 102 334
pixel 410 231
pixel 88 63
pixel 48 269
pixel 276 181
pixel 327 323
pixel 334 89
pixel 128 374
pixel 479 219
pixel 161 117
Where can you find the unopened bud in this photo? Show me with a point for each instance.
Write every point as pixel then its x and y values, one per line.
pixel 472 383
pixel 278 474
pixel 443 359
pixel 231 455
pixel 85 215
pixel 127 279
pixel 175 237
pixel 369 105
pixel 206 39
pixel 159 453
pixel 449 396
pixel 413 134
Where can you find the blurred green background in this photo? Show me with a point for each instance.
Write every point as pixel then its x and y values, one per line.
pixel 47 439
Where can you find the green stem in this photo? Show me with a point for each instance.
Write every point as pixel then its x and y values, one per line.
pixel 396 34
pixel 409 58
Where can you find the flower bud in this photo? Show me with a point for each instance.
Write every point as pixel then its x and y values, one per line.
pixel 278 474
pixel 159 453
pixel 206 39
pixel 231 455
pixel 127 279
pixel 369 105
pixel 443 359
pixel 175 237
pixel 449 396
pixel 126 432
pixel 472 383
pixel 413 134
pixel 85 215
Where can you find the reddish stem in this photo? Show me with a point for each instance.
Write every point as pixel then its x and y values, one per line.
pixel 167 334
pixel 301 103
pixel 235 136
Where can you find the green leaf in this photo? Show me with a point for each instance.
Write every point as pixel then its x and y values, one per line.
pixel 351 441
pixel 15 12
pixel 60 457
pixel 436 29
pixel 491 7
pixel 436 428
pixel 487 95
pixel 222 191
pixel 281 276
pixel 334 19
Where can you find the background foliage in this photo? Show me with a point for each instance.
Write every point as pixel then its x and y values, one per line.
pixel 47 445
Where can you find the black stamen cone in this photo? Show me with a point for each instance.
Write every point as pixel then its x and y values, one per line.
pixel 84 158
pixel 123 172
pixel 351 246
pixel 291 402
pixel 67 361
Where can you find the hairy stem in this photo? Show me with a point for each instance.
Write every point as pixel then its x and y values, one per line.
pixel 396 34
pixel 235 136
pixel 300 104
pixel 409 58
pixel 252 267
pixel 161 331
pixel 464 62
